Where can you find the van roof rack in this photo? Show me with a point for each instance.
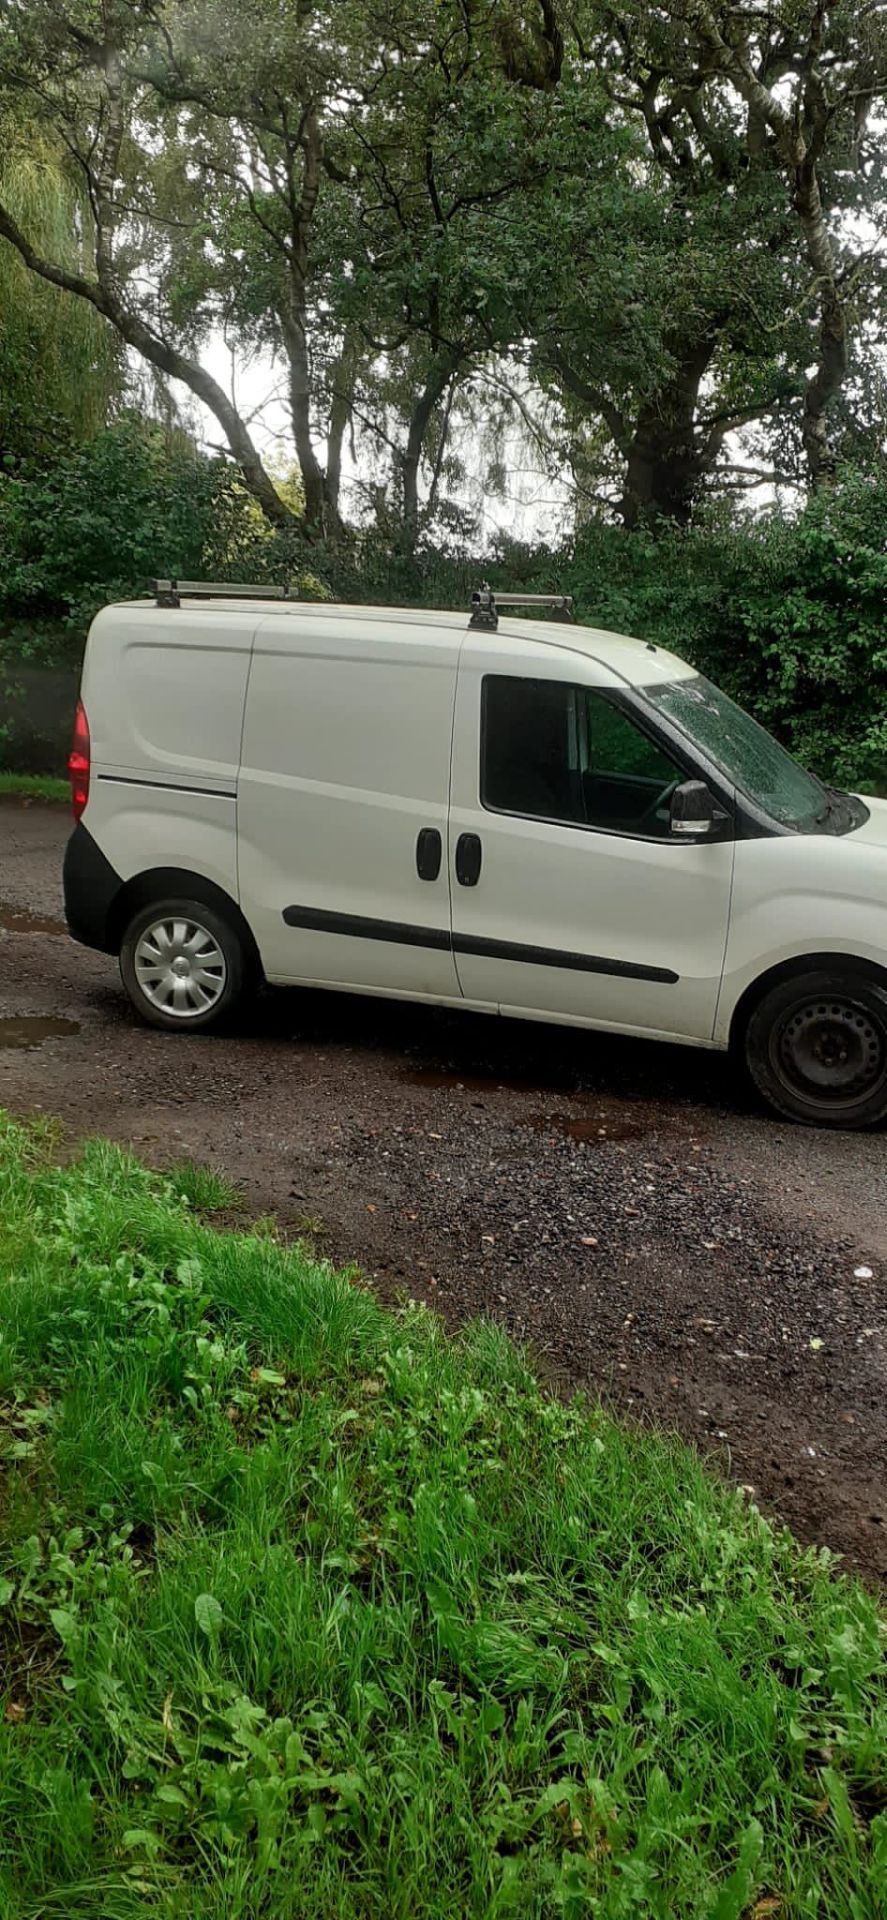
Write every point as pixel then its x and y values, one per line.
pixel 485 606
pixel 171 593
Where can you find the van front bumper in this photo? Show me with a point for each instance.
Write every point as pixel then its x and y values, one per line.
pixel 91 887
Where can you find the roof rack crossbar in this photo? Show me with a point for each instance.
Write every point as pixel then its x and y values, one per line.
pixel 485 604
pixel 533 599
pixel 171 593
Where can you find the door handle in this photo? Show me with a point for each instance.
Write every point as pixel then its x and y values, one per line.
pixel 469 855
pixel 429 853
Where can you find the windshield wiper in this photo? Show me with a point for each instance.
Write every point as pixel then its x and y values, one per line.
pixel 839 807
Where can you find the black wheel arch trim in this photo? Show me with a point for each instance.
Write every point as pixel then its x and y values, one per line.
pixel 158 883
pixel 795 969
pixel 99 905
pixel 91 887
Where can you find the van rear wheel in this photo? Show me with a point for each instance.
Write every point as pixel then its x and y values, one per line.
pixel 816 1048
pixel 182 965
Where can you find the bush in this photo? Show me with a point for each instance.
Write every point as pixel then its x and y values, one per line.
pixel 98 524
pixel 787 614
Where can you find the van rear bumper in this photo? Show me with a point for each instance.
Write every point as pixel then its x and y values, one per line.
pixel 91 888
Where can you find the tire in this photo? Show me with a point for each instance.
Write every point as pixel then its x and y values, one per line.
pixel 816 1048
pixel 183 965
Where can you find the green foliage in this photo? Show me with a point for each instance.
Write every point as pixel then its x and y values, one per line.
pixel 789 615
pixel 60 365
pixel 439 194
pixel 99 522
pixel 104 519
pixel 311 1610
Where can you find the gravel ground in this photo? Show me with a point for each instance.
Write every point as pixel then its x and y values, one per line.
pixel 623 1206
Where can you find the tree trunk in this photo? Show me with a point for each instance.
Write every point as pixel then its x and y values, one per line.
pixel 295 339
pixel 667 458
pixel 833 357
pixel 340 413
pixel 321 509
pixel 432 393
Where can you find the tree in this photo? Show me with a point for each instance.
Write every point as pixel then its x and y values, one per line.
pixel 446 151
pixel 78 68
pixel 253 98
pixel 834 59
pixel 486 167
pixel 759 145
pixel 60 371
pixel 630 228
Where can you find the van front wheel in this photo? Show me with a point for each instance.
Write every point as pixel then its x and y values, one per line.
pixel 182 965
pixel 816 1047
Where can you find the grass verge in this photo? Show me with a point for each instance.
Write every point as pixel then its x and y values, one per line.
pixel 312 1611
pixel 34 786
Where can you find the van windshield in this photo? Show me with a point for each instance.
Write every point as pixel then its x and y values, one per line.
pixel 749 756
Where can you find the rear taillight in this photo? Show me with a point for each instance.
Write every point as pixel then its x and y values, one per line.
pixel 78 761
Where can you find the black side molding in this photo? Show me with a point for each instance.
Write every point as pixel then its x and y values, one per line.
pixel 315 920
pixel 91 887
pixel 557 957
pixel 399 933
pixel 163 786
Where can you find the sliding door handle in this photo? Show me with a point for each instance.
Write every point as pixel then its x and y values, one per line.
pixel 469 855
pixel 429 853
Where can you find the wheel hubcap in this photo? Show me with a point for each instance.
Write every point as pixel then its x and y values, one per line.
pixel 832 1051
pixel 180 968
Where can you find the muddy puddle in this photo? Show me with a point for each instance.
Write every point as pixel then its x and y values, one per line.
pixel 31 1030
pixel 19 920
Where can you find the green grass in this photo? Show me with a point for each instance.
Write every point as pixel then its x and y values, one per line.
pixel 203 1189
pixel 35 786
pixel 312 1612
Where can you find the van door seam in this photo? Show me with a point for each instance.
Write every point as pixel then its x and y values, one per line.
pixel 249 675
pixel 457 688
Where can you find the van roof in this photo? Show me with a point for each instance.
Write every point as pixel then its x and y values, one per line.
pixel 639 662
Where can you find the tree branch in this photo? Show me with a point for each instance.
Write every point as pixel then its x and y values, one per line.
pixel 596 398
pixel 168 360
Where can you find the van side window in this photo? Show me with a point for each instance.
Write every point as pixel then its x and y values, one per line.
pixel 530 761
pixel 628 777
pixel 550 751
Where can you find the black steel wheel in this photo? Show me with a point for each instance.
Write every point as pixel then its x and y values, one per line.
pixel 816 1047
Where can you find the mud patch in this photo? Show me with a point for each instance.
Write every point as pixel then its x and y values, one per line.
pixel 31 1030
pixel 596 1130
pixel 449 1079
pixel 19 920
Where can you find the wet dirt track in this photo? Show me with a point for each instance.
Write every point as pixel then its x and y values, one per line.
pixel 623 1206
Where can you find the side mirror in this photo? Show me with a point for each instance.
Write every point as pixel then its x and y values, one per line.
pixel 693 810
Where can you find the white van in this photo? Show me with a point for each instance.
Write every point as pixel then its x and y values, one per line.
pixel 515 815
